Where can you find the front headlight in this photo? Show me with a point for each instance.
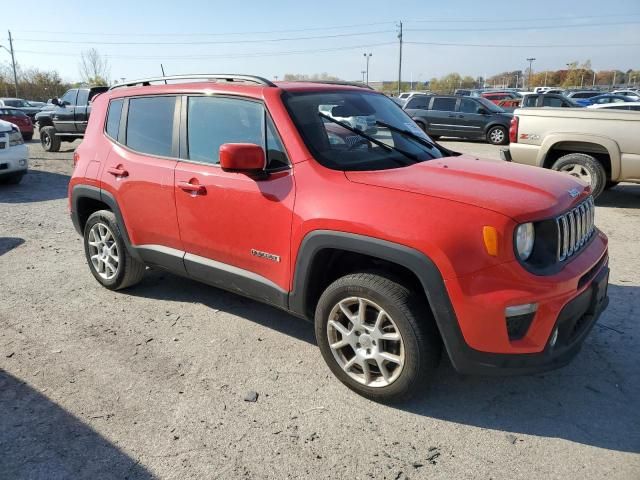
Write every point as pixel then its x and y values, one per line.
pixel 15 138
pixel 525 237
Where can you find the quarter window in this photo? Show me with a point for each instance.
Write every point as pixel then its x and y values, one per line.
pixel 213 121
pixel 113 118
pixel 418 103
pixel 150 125
pixel 468 106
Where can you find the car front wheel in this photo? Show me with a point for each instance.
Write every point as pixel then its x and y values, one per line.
pixel 377 336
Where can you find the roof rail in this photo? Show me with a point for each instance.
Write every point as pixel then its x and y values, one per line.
pixel 198 76
pixel 337 82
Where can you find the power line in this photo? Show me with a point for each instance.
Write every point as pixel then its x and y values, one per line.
pixel 216 56
pixel 538 19
pixel 224 42
pixel 537 27
pixel 495 45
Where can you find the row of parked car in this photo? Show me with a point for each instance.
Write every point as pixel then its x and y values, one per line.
pixel 487 114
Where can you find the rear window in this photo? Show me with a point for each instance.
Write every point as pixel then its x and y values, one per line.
pixel 113 118
pixel 150 125
pixel 444 104
pixel 14 112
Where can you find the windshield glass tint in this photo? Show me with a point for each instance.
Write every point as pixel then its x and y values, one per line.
pixel 319 115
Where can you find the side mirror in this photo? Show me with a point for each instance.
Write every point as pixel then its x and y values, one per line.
pixel 242 157
pixel 55 101
pixel 482 111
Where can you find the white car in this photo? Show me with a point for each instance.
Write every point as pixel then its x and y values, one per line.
pixel 618 106
pixel 14 155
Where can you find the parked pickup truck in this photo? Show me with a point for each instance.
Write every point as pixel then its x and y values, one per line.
pixel 600 147
pixel 67 120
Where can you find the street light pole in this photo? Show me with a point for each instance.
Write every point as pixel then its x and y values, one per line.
pixel 363 72
pixel 367 56
pixel 400 60
pixel 530 60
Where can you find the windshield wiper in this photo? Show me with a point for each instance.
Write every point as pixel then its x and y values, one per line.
pixel 409 134
pixel 383 145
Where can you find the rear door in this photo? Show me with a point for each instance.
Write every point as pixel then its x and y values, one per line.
pixel 442 116
pixel 139 171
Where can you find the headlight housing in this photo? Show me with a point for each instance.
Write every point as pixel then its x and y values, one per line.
pixel 524 240
pixel 15 138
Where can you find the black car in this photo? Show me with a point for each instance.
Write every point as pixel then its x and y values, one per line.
pixel 465 117
pixel 548 100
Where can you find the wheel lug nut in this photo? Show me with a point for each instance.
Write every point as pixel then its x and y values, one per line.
pixel 368 351
pixel 358 345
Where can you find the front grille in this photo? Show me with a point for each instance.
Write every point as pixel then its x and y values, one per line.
pixel 575 228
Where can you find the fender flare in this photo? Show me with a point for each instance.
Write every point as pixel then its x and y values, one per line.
pixel 417 262
pixel 85 191
pixel 607 143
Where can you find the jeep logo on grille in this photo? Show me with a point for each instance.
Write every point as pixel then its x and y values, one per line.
pixel 268 256
pixel 574 192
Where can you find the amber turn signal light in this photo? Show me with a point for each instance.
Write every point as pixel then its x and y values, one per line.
pixel 490 236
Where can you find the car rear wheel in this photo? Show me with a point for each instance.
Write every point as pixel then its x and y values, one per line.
pixel 586 168
pixel 497 136
pixel 107 255
pixel 377 336
pixel 49 140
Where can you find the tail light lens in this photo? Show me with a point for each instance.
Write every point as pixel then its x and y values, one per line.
pixel 513 130
pixel 76 159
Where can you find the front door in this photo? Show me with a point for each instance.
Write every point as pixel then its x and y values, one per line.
pixel 469 121
pixel 63 113
pixel 235 228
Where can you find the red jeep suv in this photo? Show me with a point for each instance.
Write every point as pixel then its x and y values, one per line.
pixel 326 200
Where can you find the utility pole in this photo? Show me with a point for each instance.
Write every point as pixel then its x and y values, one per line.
pixel 367 57
pixel 400 60
pixel 530 60
pixel 613 84
pixel 13 62
pixel 594 78
pixel 363 72
pixel 545 78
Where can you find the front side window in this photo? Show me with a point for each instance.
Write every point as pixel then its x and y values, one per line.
pixel 69 98
pixel 468 106
pixel 444 104
pixel 213 121
pixel 356 130
pixel 113 118
pixel 150 125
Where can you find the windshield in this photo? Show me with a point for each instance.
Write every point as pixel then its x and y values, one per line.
pixel 489 105
pixel 353 130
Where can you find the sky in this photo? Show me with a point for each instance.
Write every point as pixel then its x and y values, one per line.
pixel 277 37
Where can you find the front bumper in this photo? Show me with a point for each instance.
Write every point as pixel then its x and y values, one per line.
pixel 573 324
pixel 13 159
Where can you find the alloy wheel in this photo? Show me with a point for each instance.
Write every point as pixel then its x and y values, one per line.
pixel 365 342
pixel 497 136
pixel 103 251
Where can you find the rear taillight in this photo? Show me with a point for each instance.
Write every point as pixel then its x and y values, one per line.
pixel 76 159
pixel 513 130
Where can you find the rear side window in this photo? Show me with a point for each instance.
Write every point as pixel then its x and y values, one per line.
pixel 530 101
pixel 113 118
pixel 212 122
pixel 444 104
pixel 150 125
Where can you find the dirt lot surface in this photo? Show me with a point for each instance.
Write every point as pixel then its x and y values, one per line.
pixel 150 383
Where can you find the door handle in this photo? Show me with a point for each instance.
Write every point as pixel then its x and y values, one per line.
pixel 451 115
pixel 193 188
pixel 118 171
pixel 460 116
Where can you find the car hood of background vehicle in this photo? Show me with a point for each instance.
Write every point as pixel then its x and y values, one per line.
pixel 518 191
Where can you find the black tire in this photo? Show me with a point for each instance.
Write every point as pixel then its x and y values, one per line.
pixel 611 184
pixel 13 179
pixel 498 135
pixel 49 140
pixel 413 320
pixel 593 167
pixel 27 137
pixel 129 271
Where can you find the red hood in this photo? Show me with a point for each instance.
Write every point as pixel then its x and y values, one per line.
pixel 518 191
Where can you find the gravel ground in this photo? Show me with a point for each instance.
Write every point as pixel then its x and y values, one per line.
pixel 150 383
